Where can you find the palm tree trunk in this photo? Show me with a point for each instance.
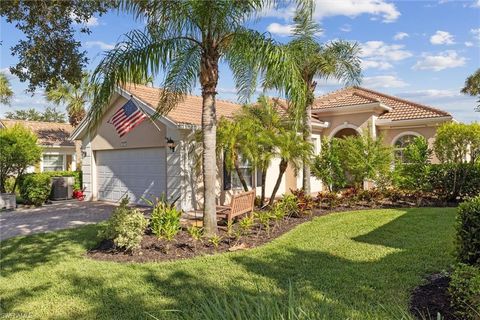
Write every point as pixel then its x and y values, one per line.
pixel 283 167
pixel 307 134
pixel 307 137
pixel 208 81
pixel 240 175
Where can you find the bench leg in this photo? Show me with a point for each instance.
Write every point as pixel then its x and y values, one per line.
pixel 229 218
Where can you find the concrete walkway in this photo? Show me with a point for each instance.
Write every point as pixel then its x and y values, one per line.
pixel 60 215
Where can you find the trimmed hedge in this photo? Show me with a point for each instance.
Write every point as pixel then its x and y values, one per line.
pixel 465 292
pixel 468 232
pixel 76 174
pixel 455 181
pixel 35 188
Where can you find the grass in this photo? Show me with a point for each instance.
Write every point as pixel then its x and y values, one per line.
pixel 353 265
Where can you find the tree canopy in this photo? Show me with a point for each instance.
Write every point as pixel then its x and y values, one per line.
pixel 49 115
pixel 472 86
pixel 6 92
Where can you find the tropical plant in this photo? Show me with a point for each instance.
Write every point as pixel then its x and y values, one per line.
pixel 187 40
pixel 195 232
pixel 264 218
pixel 366 158
pixel 455 142
pixel 472 86
pixel 165 220
pixel 125 227
pixel 6 92
pixel 415 168
pixel 18 151
pixel 215 241
pixel 292 150
pixel 49 115
pixel 74 96
pixel 313 60
pixel 246 224
pixel 328 167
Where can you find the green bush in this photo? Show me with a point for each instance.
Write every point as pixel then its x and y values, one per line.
pixel 125 227
pixel 455 181
pixel 289 205
pixel 413 172
pixel 35 188
pixel 465 292
pixel 165 220
pixel 468 232
pixel 76 174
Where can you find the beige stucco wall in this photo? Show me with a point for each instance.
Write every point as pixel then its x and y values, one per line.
pixel 336 122
pixel 145 135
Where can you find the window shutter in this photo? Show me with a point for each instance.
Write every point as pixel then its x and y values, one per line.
pixel 227 177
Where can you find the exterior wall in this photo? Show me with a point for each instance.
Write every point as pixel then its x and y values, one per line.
pixel 69 158
pixel 359 121
pixel 390 135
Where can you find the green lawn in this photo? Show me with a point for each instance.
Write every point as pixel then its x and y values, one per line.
pixel 355 265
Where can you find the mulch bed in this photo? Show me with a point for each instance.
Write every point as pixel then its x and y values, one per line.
pixel 432 298
pixel 153 249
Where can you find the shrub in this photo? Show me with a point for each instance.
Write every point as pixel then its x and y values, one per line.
pixel 125 227
pixel 246 224
pixel 18 151
pixel 413 172
pixel 455 181
pixel 331 199
pixel 328 167
pixel 165 220
pixel 289 205
pixel 454 141
pixel 468 232
pixel 305 202
pixel 35 188
pixel 370 195
pixel 264 218
pixel 465 292
pixel 77 175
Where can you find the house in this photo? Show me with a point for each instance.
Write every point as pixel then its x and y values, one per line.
pixel 128 154
pixel 59 152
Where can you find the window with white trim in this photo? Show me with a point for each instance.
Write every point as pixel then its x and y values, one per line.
pixel 53 162
pixel 400 145
pixel 231 179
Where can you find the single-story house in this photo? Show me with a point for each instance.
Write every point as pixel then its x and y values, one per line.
pixel 127 154
pixel 59 152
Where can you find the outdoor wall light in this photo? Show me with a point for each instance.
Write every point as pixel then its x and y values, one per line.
pixel 171 144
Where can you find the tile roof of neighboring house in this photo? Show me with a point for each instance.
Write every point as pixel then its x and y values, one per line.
pixel 188 111
pixel 48 133
pixel 401 109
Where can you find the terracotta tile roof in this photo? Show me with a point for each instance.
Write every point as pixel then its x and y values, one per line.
pixel 48 133
pixel 401 109
pixel 189 111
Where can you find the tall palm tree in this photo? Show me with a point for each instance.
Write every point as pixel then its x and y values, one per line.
pixel 337 59
pixel 74 97
pixel 290 149
pixel 187 39
pixel 6 92
pixel 472 86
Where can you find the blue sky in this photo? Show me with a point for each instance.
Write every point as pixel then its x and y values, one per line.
pixel 418 50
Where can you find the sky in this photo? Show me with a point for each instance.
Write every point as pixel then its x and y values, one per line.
pixel 418 50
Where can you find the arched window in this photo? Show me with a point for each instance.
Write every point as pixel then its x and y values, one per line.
pixel 400 144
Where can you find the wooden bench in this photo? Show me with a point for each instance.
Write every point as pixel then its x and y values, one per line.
pixel 241 203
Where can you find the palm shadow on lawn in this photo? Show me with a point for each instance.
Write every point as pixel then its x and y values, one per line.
pixel 339 284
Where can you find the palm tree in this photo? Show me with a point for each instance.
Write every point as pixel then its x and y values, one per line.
pixel 472 86
pixel 74 96
pixel 290 149
pixel 187 39
pixel 337 59
pixel 6 92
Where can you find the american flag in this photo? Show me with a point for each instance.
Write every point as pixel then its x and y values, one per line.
pixel 126 118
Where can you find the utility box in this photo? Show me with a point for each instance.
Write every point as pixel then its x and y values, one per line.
pixel 62 188
pixel 8 201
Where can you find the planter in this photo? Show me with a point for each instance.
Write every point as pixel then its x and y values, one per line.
pixel 8 201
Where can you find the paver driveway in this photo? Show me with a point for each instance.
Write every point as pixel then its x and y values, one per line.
pixel 62 215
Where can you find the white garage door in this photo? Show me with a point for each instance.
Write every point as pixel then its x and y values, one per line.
pixel 135 173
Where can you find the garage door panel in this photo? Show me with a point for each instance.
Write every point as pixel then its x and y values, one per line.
pixel 134 172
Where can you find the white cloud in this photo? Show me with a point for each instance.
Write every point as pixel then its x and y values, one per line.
pixel 431 94
pixel 282 30
pixel 468 44
pixel 444 60
pixel 102 45
pixel 346 28
pixel 401 36
pixel 476 33
pixel 370 64
pixel 387 81
pixel 350 8
pixel 378 50
pixel 91 22
pixel 476 4
pixel 442 37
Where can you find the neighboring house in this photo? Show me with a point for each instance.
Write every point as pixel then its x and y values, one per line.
pixel 127 154
pixel 59 153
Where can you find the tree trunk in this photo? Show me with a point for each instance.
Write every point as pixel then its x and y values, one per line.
pixel 208 81
pixel 283 167
pixel 240 175
pixel 307 134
